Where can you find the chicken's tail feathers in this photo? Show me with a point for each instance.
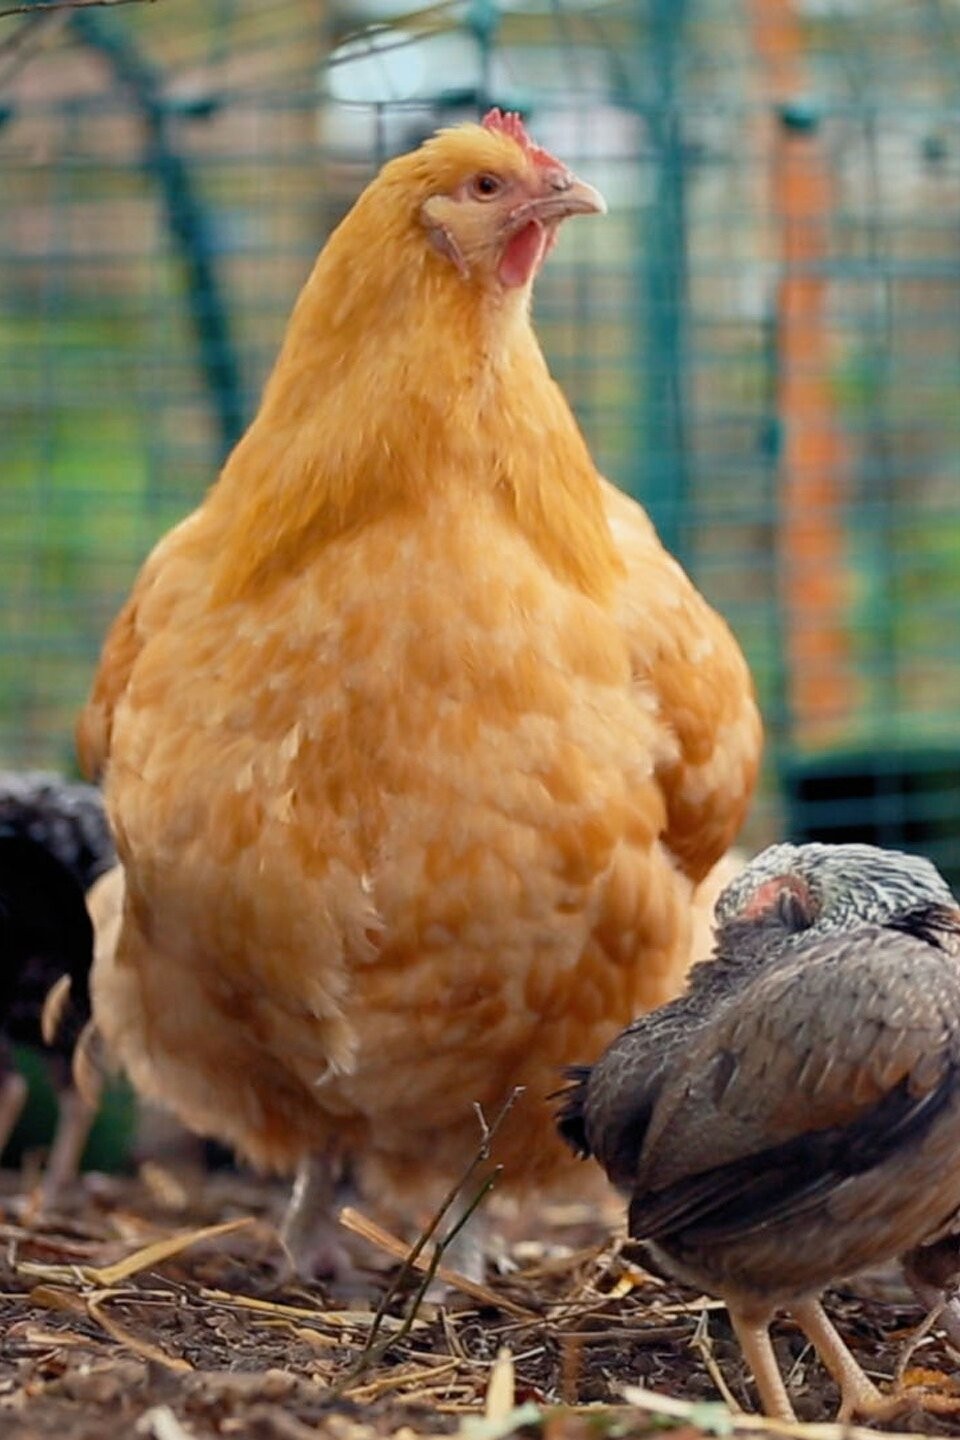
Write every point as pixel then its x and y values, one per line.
pixel 571 1116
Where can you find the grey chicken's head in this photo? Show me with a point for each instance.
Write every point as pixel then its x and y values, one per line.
pixel 820 889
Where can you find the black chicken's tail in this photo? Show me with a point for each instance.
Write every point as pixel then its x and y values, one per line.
pixel 571 1116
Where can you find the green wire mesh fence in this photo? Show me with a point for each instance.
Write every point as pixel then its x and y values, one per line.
pixel 762 339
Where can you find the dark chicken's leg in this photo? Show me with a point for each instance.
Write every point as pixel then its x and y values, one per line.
pixel 76 1111
pixel 13 1096
pixel 74 1119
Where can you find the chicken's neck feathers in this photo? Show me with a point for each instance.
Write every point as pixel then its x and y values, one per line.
pixel 385 394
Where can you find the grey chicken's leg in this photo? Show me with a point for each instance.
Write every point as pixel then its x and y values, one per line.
pixel 858 1394
pixel 754 1338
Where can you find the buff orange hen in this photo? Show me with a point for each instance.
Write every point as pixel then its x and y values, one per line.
pixel 414 739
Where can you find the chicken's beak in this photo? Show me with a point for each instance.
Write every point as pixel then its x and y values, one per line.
pixel 562 195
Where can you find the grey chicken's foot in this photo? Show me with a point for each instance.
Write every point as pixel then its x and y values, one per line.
pixel 858 1394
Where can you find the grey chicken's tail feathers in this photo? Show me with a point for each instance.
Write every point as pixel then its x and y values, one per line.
pixel 571 1116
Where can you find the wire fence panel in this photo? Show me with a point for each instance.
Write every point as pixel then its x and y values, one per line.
pixel 761 339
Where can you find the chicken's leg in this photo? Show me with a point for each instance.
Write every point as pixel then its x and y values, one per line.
pixel 74 1119
pixel 309 1231
pixel 13 1097
pixel 858 1394
pixel 949 1306
pixel 933 1272
pixel 754 1338
pixel 467 1251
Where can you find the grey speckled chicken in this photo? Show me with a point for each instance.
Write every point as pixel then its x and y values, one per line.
pixel 795 1116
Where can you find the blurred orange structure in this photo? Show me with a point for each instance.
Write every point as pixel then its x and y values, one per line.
pixel 813 578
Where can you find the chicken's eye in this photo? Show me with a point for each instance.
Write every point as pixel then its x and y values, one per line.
pixel 484 186
pixel 794 910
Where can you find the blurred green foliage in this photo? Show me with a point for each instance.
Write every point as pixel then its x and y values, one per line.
pixel 111 1139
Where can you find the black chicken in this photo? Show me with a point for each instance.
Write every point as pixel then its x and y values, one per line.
pixel 54 842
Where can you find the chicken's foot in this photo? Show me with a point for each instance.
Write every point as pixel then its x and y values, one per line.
pixel 858 1394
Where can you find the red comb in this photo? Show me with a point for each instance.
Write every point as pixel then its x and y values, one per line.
pixel 508 122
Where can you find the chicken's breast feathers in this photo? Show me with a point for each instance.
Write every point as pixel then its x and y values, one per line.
pixel 321 851
pixel 328 859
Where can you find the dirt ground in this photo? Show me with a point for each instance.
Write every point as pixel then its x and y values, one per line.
pixel 120 1318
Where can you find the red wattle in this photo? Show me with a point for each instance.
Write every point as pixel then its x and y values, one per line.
pixel 522 254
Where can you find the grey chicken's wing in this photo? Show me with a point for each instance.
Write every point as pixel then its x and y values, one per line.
pixel 816 1073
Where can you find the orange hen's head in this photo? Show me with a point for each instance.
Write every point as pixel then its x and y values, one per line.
pixel 409 348
pixel 489 200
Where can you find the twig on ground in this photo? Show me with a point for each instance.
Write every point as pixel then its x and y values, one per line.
pixel 152 1255
pixel 375 1234
pixel 124 1337
pixel 501 1387
pixel 376 1347
pixel 700 1340
pixel 340 1319
pixel 695 1412
pixel 913 1340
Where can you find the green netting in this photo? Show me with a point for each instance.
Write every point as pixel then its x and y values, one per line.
pixel 762 339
